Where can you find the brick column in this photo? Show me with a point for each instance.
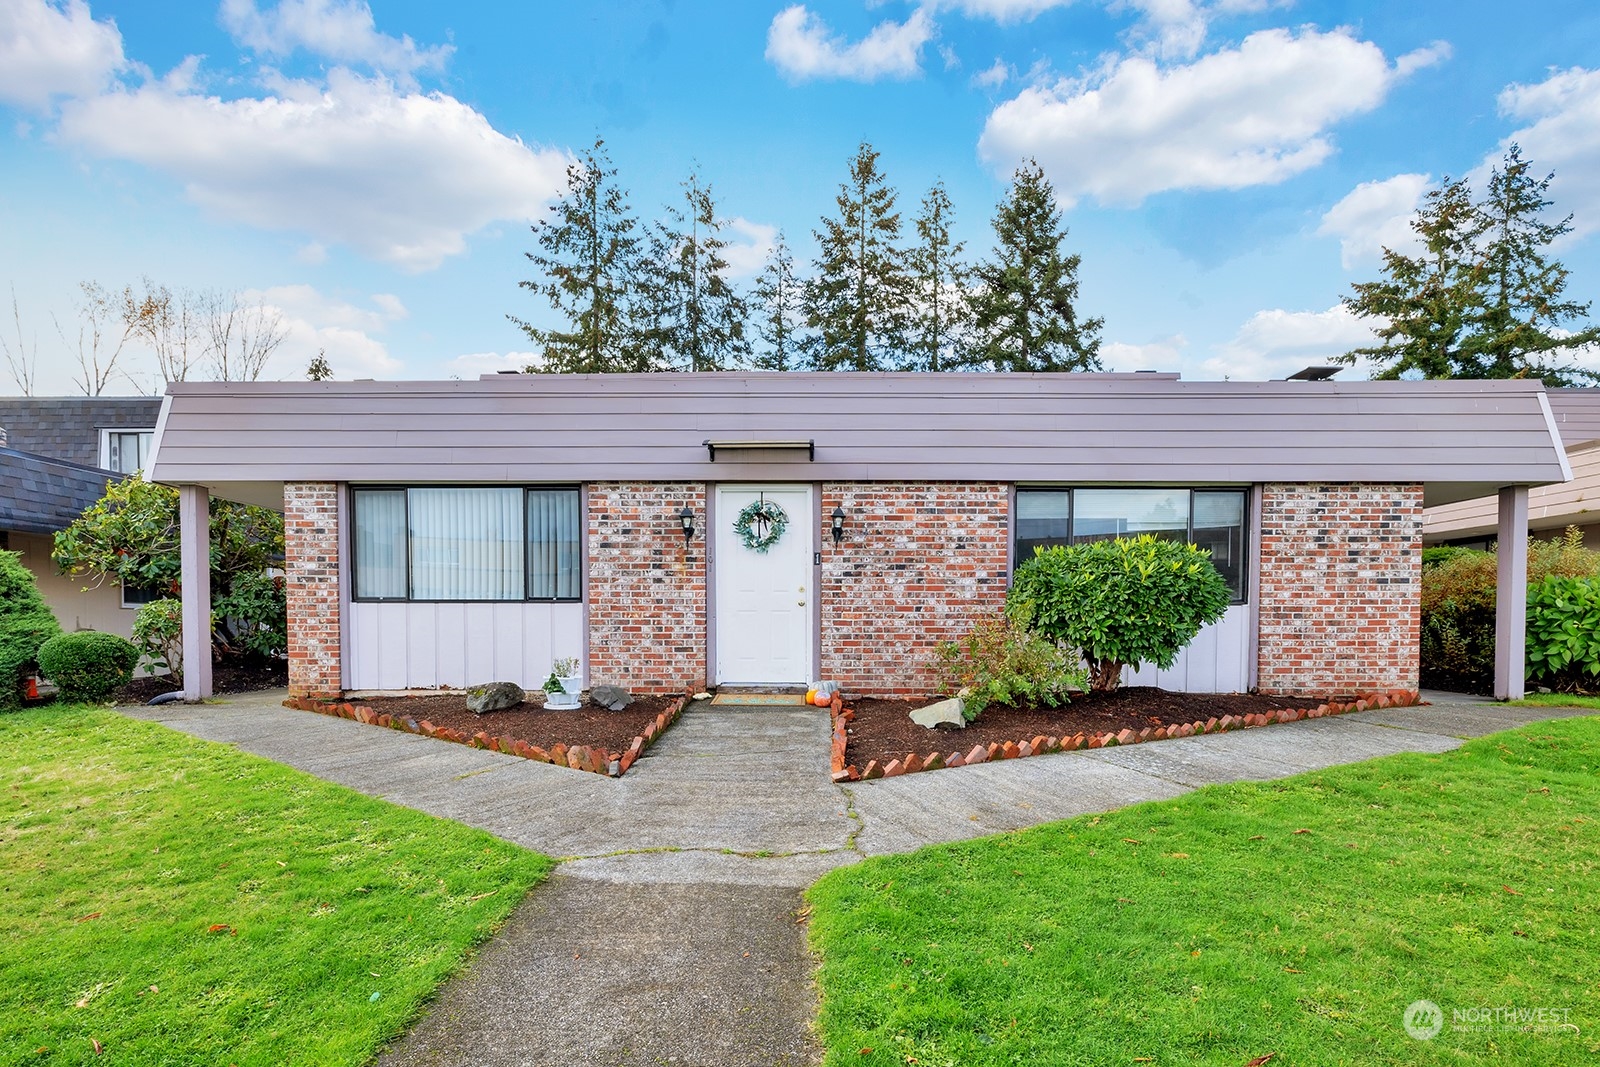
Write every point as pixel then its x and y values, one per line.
pixel 1340 588
pixel 919 563
pixel 311 550
pixel 647 587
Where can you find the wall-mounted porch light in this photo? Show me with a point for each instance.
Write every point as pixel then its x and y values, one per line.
pixel 686 517
pixel 838 523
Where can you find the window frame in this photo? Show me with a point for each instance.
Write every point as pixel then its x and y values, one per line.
pixel 1244 491
pixel 105 445
pixel 405 488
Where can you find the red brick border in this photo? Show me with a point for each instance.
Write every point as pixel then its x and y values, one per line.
pixel 996 750
pixel 578 757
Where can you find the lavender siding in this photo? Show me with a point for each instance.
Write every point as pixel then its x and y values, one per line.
pixel 1462 439
pixel 1217 661
pixel 425 646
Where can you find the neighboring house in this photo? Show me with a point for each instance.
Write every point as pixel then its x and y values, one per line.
pixel 1575 415
pixel 58 455
pixel 448 533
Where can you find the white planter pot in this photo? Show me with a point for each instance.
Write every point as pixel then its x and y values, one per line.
pixel 572 686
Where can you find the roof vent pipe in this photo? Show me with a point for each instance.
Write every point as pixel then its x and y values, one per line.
pixel 2 437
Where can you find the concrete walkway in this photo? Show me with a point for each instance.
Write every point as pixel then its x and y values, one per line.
pixel 672 933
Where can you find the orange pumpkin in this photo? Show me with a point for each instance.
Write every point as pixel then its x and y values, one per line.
pixel 822 699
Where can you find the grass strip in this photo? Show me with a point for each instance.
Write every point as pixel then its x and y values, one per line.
pixel 1298 918
pixel 172 900
pixel 1555 700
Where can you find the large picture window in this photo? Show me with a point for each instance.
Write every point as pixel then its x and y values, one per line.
pixel 1213 519
pixel 464 543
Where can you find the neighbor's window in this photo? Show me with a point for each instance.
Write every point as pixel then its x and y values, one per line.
pixel 125 451
pixel 1214 519
pixel 466 543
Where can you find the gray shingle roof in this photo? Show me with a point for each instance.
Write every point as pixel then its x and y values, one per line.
pixel 42 495
pixel 68 427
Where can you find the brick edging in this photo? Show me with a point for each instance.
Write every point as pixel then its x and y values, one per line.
pixel 997 750
pixel 578 757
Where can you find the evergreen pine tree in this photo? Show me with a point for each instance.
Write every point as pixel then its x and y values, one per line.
pixel 1522 292
pixel 691 317
pixel 938 337
pixel 856 298
pixel 778 312
pixel 1482 299
pixel 1024 304
pixel 1425 301
pixel 588 255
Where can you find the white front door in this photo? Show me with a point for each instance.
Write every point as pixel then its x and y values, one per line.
pixel 764 599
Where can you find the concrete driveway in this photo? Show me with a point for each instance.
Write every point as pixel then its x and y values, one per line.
pixel 673 932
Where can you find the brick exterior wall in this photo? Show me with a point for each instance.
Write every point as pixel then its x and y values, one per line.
pixel 311 551
pixel 919 563
pixel 1341 587
pixel 646 587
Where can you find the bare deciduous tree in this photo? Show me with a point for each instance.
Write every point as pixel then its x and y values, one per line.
pixel 169 323
pixel 22 363
pixel 240 337
pixel 101 337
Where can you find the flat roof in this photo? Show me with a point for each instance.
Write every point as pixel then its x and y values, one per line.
pixel 1460 439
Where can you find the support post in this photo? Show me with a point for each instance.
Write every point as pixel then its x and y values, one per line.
pixel 194 526
pixel 1511 595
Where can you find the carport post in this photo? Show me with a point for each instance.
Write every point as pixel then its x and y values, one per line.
pixel 1511 595
pixel 194 527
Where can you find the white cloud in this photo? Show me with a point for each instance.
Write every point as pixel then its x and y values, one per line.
pixel 1276 343
pixel 49 50
pixel 1162 354
pixel 801 46
pixel 1562 134
pixel 473 364
pixel 401 177
pixel 995 76
pixel 1002 11
pixel 1174 28
pixel 340 30
pixel 749 244
pixel 314 322
pixel 1416 60
pixel 1374 216
pixel 1252 115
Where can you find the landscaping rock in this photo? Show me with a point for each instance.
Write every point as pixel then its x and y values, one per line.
pixel 945 712
pixel 610 697
pixel 494 697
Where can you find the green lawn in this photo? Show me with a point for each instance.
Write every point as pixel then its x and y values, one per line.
pixel 1298 918
pixel 179 901
pixel 1555 700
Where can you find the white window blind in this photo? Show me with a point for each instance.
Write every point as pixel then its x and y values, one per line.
pixel 466 544
pixel 554 559
pixel 380 543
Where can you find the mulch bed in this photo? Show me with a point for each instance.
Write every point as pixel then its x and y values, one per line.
pixel 877 739
pixel 589 725
pixel 224 679
pixel 882 729
pixel 587 738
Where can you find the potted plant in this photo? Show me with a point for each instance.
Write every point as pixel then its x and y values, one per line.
pixel 565 671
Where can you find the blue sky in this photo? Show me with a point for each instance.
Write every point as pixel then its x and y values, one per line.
pixel 1228 167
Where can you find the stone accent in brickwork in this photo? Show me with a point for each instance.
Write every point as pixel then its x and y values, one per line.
pixel 311 551
pixel 920 562
pixel 646 587
pixel 1340 587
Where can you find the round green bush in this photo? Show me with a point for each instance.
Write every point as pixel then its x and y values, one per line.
pixel 1126 601
pixel 88 666
pixel 26 622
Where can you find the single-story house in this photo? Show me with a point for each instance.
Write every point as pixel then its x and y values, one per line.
pixel 57 455
pixel 448 533
pixel 1551 508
